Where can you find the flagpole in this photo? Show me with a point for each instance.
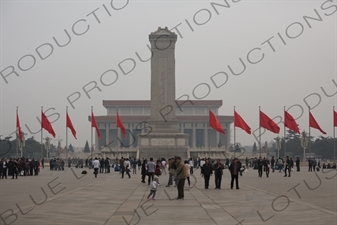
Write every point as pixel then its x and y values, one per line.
pixel 259 131
pixel 117 133
pixel 309 135
pixel 209 125
pixel 67 134
pixel 234 134
pixel 334 141
pixel 91 131
pixel 41 133
pixel 17 133
pixel 284 130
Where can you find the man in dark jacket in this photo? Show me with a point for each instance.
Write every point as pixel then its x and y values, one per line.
pixel 298 164
pixel 15 169
pixel 206 172
pixel 234 169
pixel 218 171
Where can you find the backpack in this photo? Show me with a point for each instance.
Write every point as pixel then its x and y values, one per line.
pixel 280 162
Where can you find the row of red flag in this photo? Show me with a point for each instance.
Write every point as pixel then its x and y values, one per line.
pixel 214 123
pixel 45 124
pixel 267 122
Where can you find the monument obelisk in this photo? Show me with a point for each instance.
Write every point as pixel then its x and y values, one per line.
pixel 164 138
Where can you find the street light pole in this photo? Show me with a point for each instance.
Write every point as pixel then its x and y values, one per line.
pixel 304 143
pixel 278 145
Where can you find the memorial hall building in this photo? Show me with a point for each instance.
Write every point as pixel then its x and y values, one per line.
pixel 193 120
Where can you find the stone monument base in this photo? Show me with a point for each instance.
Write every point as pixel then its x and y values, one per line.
pixel 159 145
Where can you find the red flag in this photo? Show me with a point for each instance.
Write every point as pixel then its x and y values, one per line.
pixel 268 123
pixel 94 124
pixel 290 122
pixel 18 127
pixel 334 118
pixel 239 122
pixel 120 125
pixel 47 125
pixel 214 123
pixel 313 123
pixel 69 124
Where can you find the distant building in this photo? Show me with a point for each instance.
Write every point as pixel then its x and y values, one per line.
pixel 193 120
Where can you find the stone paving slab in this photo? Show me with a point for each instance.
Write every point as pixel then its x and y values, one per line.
pixel 67 197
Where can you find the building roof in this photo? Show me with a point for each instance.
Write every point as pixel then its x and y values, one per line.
pixel 180 118
pixel 107 103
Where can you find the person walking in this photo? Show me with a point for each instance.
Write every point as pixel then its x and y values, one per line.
pixel 163 166
pixel 298 164
pixel 234 170
pixel 260 166
pixel 287 167
pixel 187 169
pixel 206 172
pixel 180 176
pixel 126 168
pixel 15 169
pixel 272 163
pixel 151 166
pixel 144 170
pixel 153 188
pixel 134 166
pixel 96 165
pixel 267 166
pixel 4 167
pixel 218 172
pixel 171 172
pixel 280 164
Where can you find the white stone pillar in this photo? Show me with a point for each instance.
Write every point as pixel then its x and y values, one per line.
pixel 206 135
pixel 107 126
pixel 194 135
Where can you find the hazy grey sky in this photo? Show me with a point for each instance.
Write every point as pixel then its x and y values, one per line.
pixel 299 58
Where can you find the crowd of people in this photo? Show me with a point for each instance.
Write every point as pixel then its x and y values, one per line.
pixel 19 167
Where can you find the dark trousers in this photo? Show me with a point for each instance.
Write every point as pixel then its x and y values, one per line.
pixel 218 178
pixel 273 167
pixel 180 187
pixel 101 169
pixel 134 170
pixel 151 175
pixel 267 171
pixel 31 171
pixel 298 168
pixel 4 173
pixel 143 178
pixel 170 179
pixel 36 171
pixel 206 177
pixel 95 171
pixel 236 178
pixel 128 172
pixel 15 173
pixel 191 170
pixel 310 168
pixel 188 181
pixel 285 171
pixel 260 171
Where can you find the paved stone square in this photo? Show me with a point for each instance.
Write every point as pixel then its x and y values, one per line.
pixel 68 197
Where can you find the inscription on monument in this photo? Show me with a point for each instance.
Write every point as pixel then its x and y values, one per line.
pixel 162 142
pixel 163 82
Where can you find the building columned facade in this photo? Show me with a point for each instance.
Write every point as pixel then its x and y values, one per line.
pixel 193 118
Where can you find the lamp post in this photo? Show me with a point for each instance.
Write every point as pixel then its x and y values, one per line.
pixel 21 143
pixel 304 143
pixel 47 146
pixel 278 145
